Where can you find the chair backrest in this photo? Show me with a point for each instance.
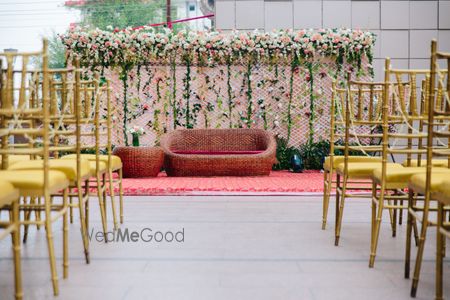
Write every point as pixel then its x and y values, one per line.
pixel 16 110
pixel 439 109
pixel 359 110
pixel 96 117
pixel 17 115
pixel 404 114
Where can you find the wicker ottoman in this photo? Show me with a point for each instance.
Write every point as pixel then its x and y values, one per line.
pixel 140 161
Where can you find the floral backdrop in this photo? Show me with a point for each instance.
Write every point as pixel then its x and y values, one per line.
pixel 279 81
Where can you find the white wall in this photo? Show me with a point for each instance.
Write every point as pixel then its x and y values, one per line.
pixel 404 28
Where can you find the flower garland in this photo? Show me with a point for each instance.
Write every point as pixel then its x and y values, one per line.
pixel 112 48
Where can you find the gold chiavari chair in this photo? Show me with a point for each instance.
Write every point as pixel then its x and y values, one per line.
pixel 33 183
pixel 64 106
pixel 94 131
pixel 432 184
pixel 337 123
pixel 113 162
pixel 400 109
pixel 9 198
pixel 362 117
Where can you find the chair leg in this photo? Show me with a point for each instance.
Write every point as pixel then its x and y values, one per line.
pixel 27 216
pixel 16 251
pixel 104 196
pixel 338 186
pixel 408 235
pixel 376 229
pixel 440 251
pixel 86 207
pixel 71 206
pixel 419 255
pixel 81 209
pixel 65 238
pixel 121 194
pixel 37 213
pixel 391 217
pixel 112 195
pixel 394 223
pixel 374 211
pixel 341 212
pixel 100 202
pixel 400 213
pixel 51 246
pixel 327 178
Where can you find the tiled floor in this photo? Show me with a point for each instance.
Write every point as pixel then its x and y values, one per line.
pixel 235 247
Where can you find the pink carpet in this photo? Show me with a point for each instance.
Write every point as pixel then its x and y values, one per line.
pixel 279 182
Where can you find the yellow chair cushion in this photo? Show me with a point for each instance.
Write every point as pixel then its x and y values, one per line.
pixel 116 162
pixel 103 167
pixel 399 178
pixel 68 167
pixel 12 159
pixel 423 163
pixel 443 192
pixel 363 170
pixel 9 193
pixel 338 159
pixel 31 182
pixel 417 182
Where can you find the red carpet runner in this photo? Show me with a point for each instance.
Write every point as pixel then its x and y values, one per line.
pixel 279 182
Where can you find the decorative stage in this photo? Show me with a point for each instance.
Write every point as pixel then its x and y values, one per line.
pixel 278 183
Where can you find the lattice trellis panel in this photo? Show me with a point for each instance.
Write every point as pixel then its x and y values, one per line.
pixel 224 96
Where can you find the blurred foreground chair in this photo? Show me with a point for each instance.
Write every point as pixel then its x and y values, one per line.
pixel 14 113
pixel 9 198
pixel 434 183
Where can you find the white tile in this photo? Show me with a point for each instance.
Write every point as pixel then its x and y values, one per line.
pixel 394 14
pixel 419 43
pixel 336 14
pixel 250 14
pixel 307 14
pixel 394 44
pixel 444 14
pixel 377 46
pixel 378 69
pixel 366 14
pixel 419 63
pixel 444 40
pixel 278 15
pixel 399 63
pixel 423 14
pixel 225 15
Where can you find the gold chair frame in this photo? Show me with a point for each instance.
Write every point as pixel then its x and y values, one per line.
pixel 8 112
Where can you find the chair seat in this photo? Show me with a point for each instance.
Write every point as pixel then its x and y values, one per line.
pixel 443 192
pixel 116 162
pixel 338 159
pixel 9 193
pixel 363 170
pixel 68 167
pixel 13 159
pixel 399 178
pixel 423 163
pixel 93 167
pixel 31 182
pixel 418 182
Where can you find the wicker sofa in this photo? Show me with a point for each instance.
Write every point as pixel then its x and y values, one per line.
pixel 218 152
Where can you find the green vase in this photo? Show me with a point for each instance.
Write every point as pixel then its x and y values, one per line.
pixel 135 140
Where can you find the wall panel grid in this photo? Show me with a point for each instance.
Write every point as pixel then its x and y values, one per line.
pixel 404 28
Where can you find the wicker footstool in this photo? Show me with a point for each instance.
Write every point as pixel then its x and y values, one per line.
pixel 140 161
